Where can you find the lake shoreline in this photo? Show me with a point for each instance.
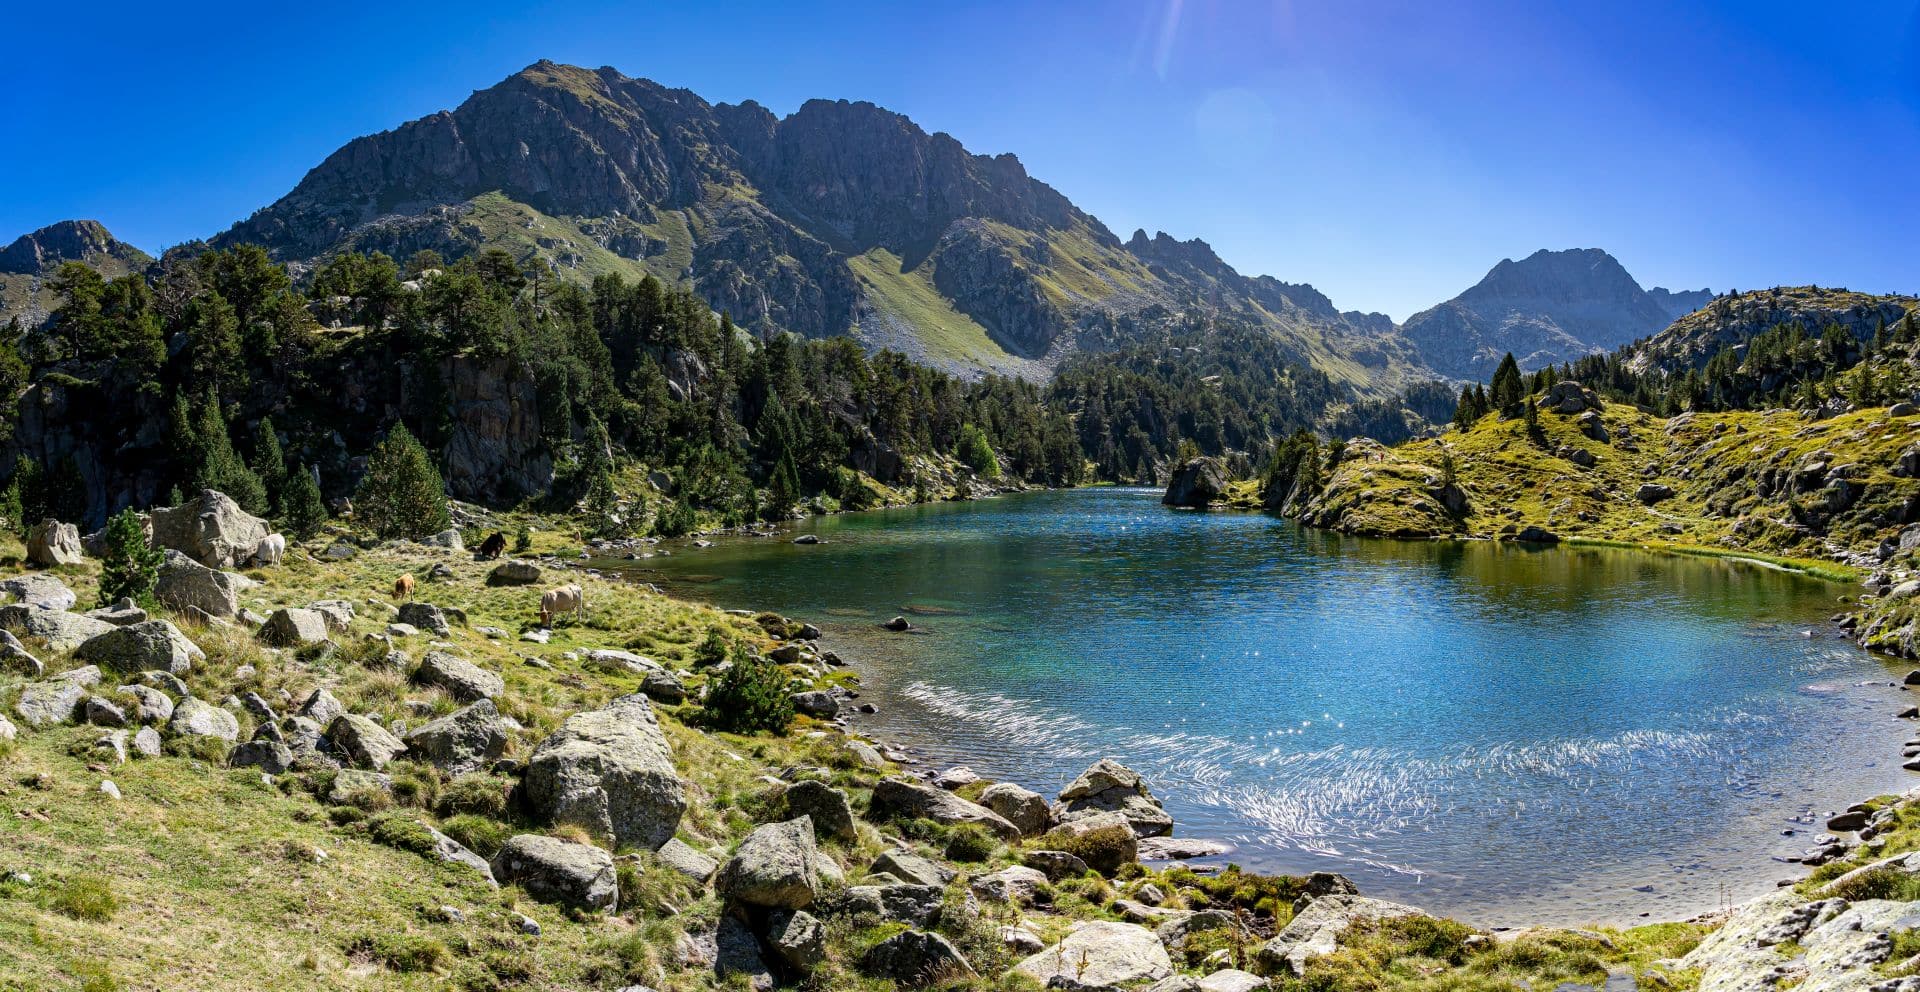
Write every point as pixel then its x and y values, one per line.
pixel 872 674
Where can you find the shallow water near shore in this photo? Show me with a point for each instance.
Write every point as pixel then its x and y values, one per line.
pixel 1510 735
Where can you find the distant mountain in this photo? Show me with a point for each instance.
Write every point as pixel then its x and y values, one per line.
pixel 842 218
pixel 1551 307
pixel 31 258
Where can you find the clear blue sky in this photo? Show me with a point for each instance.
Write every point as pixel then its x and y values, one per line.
pixel 1388 153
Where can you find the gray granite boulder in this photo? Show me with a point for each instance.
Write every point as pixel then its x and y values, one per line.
pixel 578 876
pixel 610 771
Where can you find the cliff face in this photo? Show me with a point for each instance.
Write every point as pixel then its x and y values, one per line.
pixel 841 218
pixel 1549 308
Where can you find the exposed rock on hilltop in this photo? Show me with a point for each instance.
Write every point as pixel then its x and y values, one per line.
pixel 31 258
pixel 1733 320
pixel 840 218
pixel 1547 309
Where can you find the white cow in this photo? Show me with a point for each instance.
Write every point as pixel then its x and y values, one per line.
pixel 270 550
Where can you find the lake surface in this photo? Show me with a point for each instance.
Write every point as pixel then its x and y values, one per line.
pixel 1507 734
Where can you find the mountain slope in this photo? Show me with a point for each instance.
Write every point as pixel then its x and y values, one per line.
pixel 841 218
pixel 1731 321
pixel 1549 308
pixel 27 263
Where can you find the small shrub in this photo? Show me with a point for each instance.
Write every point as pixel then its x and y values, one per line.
pixel 1881 883
pixel 522 539
pixel 479 834
pixel 211 750
pixel 343 815
pixel 1104 849
pixel 131 566
pixel 401 831
pixel 371 799
pixel 750 697
pixel 712 650
pixel 480 795
pixel 415 785
pixel 85 897
pixel 970 842
pixel 402 951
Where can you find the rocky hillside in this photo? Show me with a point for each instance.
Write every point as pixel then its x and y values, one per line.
pixel 1777 484
pixel 842 218
pixel 26 264
pixel 1733 320
pixel 1547 309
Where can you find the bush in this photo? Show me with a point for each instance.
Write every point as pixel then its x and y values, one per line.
pixel 676 519
pixel 85 897
pixel 749 697
pixel 522 539
pixel 712 650
pixel 977 453
pixel 414 784
pixel 402 494
pixel 480 795
pixel 479 834
pixel 401 951
pixel 970 842
pixel 1104 849
pixel 131 566
pixel 304 509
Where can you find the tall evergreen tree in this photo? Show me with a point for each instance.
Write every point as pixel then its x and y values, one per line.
pixel 1506 389
pixel 402 494
pixel 301 505
pixel 131 566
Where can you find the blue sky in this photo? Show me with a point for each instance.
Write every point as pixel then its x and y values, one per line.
pixel 1388 153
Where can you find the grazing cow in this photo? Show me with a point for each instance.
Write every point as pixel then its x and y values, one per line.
pixel 270 550
pixel 403 587
pixel 561 600
pixel 492 547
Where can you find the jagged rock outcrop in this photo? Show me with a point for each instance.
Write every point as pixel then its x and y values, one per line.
pixel 495 452
pixel 211 529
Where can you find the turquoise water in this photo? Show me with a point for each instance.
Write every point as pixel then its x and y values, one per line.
pixel 1509 734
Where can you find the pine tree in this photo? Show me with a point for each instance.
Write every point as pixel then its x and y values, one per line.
pixel 270 464
pixel 402 494
pixel 302 505
pixel 131 566
pixel 976 453
pixel 1506 387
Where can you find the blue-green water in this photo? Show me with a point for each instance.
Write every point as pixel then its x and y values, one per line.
pixel 1509 734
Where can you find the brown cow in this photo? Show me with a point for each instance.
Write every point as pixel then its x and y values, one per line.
pixel 561 600
pixel 491 548
pixel 403 587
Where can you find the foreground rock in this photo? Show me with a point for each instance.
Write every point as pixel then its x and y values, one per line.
pixel 289 628
pixel 363 742
pixel 1100 955
pixel 916 959
pixel 462 679
pixel 198 718
pixel 154 645
pixel 185 583
pixel 514 572
pixel 466 740
pixel 578 876
pixel 57 629
pixel 51 542
pixel 901 798
pixel 1025 809
pixel 1315 931
pixel 776 866
pixel 211 529
pixel 610 771
pixel 55 701
pixel 1784 941
pixel 39 589
pixel 1111 787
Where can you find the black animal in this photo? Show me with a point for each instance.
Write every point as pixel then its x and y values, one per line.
pixel 492 547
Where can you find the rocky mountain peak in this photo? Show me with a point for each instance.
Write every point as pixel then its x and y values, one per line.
pixel 39 253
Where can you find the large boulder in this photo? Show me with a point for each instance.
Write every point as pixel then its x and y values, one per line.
pixel 289 627
pixel 1100 955
pixel 425 616
pixel 798 937
pixel 466 740
pixel 578 876
pixel 903 798
pixel 51 542
pixel 1569 397
pixel 915 959
pixel 53 702
pixel 462 679
pixel 826 806
pixel 184 582
pixel 777 866
pixel 198 718
pixel 1016 883
pixel 609 770
pixel 211 529
pixel 1315 930
pixel 58 629
pixel 1111 787
pixel 155 645
pixel 514 572
pixel 364 743
pixel 39 589
pixel 1196 483
pixel 1024 808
